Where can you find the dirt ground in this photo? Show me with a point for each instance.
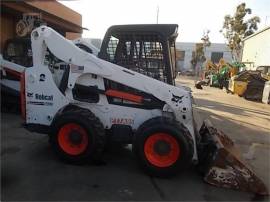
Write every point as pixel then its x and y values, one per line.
pixel 247 123
pixel 30 170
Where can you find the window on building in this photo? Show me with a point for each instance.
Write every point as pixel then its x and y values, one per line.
pixel 216 56
pixel 264 69
pixel 180 55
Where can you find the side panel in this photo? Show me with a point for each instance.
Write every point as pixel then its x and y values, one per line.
pixel 110 114
pixel 113 114
pixel 43 98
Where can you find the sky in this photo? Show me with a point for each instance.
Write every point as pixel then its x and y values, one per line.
pixel 192 16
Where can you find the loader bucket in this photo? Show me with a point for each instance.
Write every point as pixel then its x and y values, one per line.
pixel 220 162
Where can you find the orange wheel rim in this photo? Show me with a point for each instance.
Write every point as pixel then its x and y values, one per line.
pixel 67 144
pixel 161 150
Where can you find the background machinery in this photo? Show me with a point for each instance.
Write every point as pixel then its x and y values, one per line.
pixel 218 75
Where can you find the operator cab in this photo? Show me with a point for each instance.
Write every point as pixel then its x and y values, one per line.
pixel 148 49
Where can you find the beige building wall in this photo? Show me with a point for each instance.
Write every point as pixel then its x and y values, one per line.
pixel 256 50
pixel 57 9
pixel 72 35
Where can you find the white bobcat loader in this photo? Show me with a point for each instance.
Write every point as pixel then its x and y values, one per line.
pixel 97 100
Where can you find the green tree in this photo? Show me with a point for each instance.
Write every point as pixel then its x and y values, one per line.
pixel 237 27
pixel 198 56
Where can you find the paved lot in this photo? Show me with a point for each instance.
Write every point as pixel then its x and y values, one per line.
pixel 30 171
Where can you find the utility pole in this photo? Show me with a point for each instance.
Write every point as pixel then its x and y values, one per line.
pixel 157 13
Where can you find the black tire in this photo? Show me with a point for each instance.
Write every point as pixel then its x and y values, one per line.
pixel 176 131
pixel 90 124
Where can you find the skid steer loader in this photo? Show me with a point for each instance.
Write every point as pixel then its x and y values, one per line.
pixel 96 100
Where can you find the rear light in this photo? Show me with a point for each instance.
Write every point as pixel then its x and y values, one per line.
pixel 22 92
